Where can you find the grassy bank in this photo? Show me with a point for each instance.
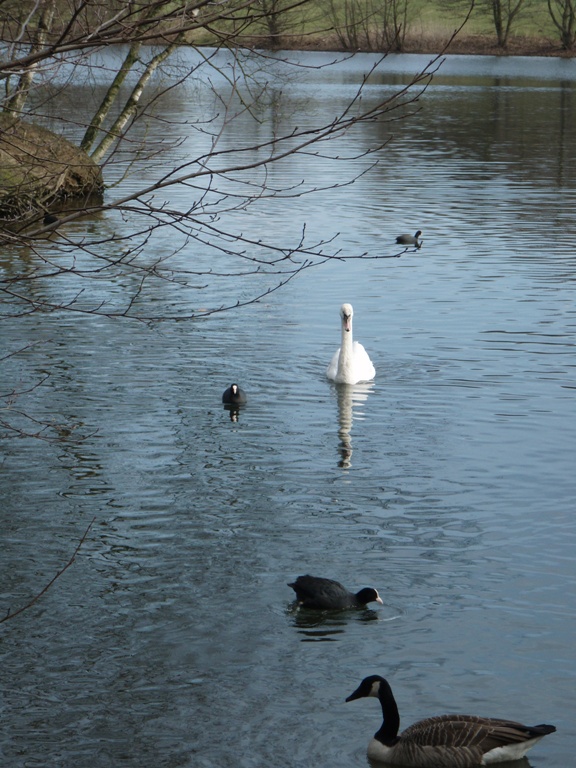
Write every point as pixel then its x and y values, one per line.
pixel 437 42
pixel 426 27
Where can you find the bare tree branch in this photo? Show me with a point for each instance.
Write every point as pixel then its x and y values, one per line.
pixel 11 615
pixel 59 254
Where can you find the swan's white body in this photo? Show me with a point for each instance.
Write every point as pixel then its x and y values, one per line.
pixel 350 364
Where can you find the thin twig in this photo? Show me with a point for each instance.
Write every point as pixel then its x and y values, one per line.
pixel 51 582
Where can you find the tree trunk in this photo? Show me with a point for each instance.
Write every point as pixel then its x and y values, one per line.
pixel 18 99
pixel 132 103
pixel 110 97
pixel 564 18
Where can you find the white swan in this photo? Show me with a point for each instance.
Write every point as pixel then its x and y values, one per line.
pixel 351 363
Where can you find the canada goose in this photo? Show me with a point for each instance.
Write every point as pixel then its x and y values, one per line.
pixel 448 741
pixel 410 239
pixel 234 395
pixel 350 363
pixel 315 592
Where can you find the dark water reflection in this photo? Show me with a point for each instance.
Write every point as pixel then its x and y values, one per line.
pixel 447 483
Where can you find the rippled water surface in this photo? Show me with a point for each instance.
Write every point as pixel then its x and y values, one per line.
pixel 448 483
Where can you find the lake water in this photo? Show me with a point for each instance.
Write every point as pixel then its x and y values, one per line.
pixel 448 483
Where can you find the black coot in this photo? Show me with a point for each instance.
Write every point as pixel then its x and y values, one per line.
pixel 234 395
pixel 410 239
pixel 315 592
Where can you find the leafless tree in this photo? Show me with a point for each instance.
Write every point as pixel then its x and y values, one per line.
pixel 369 25
pixel 283 20
pixel 209 176
pixel 54 260
pixel 563 14
pixel 504 14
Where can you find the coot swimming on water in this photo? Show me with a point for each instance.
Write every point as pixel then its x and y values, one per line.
pixel 410 239
pixel 315 592
pixel 235 395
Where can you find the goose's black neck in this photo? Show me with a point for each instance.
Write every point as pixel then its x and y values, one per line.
pixel 388 732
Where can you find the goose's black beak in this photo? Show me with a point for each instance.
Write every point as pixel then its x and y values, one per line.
pixel 356 695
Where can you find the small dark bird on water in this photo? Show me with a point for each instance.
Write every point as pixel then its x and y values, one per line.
pixel 234 395
pixel 410 239
pixel 326 594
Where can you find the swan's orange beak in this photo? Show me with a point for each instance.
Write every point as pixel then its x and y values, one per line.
pixel 347 323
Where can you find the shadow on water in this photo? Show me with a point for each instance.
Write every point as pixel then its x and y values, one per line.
pixel 234 410
pixel 325 626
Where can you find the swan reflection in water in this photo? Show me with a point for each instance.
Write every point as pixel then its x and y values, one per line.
pixel 350 400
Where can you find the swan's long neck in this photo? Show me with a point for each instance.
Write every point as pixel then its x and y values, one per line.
pixel 345 360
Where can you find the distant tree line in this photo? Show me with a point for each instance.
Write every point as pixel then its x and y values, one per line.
pixel 505 14
pixel 379 25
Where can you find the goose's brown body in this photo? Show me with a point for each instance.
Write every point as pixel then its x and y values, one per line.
pixel 446 741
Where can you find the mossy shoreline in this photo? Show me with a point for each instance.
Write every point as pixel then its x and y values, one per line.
pixel 39 169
